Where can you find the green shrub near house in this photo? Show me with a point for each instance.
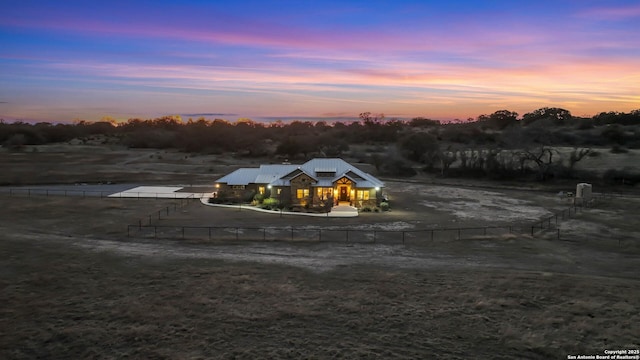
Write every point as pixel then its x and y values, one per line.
pixel 384 206
pixel 269 204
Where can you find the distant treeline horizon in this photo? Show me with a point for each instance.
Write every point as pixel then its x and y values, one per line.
pixel 185 118
pixel 395 147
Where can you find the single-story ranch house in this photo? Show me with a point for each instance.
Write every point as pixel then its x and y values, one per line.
pixel 318 183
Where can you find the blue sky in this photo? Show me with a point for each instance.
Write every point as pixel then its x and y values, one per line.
pixel 67 60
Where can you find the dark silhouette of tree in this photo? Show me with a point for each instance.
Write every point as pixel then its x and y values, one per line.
pixel 499 119
pixel 557 116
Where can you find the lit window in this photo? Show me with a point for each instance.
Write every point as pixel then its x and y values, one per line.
pixel 261 190
pixel 279 191
pixel 363 195
pixel 302 193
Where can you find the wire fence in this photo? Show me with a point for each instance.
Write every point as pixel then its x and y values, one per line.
pixel 157 215
pixel 316 234
pixel 146 229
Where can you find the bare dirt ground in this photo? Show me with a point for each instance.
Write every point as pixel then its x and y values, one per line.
pixel 75 286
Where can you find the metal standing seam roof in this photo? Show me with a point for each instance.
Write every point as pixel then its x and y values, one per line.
pixel 272 174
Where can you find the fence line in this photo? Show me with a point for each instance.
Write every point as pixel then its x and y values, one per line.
pixel 353 235
pixel 93 193
pixel 157 215
pixel 317 234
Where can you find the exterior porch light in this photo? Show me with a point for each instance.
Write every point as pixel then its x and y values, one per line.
pixel 268 186
pixel 377 188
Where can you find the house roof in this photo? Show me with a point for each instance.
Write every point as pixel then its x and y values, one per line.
pixel 280 175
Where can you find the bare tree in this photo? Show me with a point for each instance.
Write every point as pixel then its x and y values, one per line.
pixel 542 157
pixel 577 155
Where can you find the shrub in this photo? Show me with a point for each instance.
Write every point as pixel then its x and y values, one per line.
pixel 270 204
pixel 384 206
pixel 248 196
pixel 258 198
pixel 617 149
pixel 366 209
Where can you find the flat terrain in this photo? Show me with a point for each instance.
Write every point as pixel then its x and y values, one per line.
pixel 75 286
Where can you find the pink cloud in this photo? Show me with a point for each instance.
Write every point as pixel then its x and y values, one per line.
pixel 611 13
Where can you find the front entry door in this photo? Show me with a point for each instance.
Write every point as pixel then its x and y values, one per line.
pixel 343 193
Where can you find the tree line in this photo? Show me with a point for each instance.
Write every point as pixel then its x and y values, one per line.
pixel 500 144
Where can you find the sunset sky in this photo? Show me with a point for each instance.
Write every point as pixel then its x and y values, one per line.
pixel 67 60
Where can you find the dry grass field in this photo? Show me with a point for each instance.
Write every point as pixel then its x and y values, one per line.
pixel 75 286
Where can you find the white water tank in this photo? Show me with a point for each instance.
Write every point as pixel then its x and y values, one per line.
pixel 583 192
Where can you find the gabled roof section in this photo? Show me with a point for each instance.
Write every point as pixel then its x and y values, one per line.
pixel 243 176
pixel 343 168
